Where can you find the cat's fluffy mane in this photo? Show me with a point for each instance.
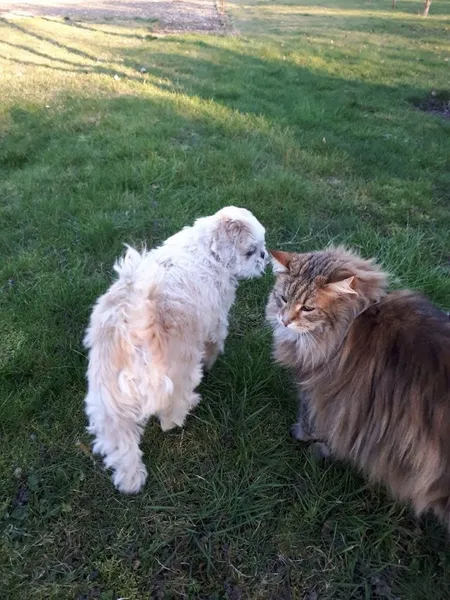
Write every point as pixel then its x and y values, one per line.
pixel 345 285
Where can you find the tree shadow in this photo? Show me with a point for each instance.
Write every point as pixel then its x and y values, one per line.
pixel 27 63
pixel 78 67
pixel 49 40
pixel 82 24
pixel 32 50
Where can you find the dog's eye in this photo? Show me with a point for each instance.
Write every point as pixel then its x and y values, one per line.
pixel 307 308
pixel 284 299
pixel 250 253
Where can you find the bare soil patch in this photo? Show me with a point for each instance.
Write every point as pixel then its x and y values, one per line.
pixel 170 16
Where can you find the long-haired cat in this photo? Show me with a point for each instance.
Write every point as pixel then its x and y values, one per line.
pixel 372 368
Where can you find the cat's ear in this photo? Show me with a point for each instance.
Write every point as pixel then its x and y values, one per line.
pixel 280 260
pixel 343 286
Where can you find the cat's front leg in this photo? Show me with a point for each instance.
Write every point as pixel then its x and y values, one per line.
pixel 298 433
pixel 304 429
pixel 320 450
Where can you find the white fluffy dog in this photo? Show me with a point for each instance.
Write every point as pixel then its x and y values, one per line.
pixel 156 327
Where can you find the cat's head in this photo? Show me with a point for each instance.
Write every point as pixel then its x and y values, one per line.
pixel 315 291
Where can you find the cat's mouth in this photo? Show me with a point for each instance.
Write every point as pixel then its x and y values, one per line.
pixel 289 324
pixel 282 320
pixel 292 326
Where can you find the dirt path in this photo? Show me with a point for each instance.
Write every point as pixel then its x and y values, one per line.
pixel 172 15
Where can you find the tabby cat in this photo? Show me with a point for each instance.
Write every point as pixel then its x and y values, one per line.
pixel 372 369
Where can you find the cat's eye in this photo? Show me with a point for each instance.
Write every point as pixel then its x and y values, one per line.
pixel 307 308
pixel 284 299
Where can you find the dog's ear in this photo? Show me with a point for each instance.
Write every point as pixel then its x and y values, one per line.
pixel 227 235
pixel 235 229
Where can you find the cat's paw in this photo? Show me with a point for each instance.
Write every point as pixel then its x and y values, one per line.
pixel 298 433
pixel 320 451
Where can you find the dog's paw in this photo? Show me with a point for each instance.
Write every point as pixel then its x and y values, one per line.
pixel 130 482
pixel 194 400
pixel 168 424
pixel 208 363
pixel 212 352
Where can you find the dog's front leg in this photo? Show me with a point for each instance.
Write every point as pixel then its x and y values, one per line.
pixel 215 345
pixel 212 351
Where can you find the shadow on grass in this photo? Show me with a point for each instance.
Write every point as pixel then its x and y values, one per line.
pixel 303 141
pixel 355 124
pixel 87 25
pixel 54 64
pixel 230 494
pixel 357 128
pixel 232 508
pixel 48 39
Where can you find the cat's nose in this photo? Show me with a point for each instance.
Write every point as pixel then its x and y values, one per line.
pixel 285 320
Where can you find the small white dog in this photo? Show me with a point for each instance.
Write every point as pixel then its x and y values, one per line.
pixel 163 319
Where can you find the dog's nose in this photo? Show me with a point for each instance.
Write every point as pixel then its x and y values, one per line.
pixel 263 254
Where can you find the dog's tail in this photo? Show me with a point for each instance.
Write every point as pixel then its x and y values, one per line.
pixel 128 343
pixel 127 266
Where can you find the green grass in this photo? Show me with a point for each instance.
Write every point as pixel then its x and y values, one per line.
pixel 307 118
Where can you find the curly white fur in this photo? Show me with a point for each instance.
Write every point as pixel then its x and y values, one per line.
pixel 156 327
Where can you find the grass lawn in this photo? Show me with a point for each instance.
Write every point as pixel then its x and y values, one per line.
pixel 307 118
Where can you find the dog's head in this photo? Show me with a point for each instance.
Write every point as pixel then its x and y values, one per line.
pixel 238 242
